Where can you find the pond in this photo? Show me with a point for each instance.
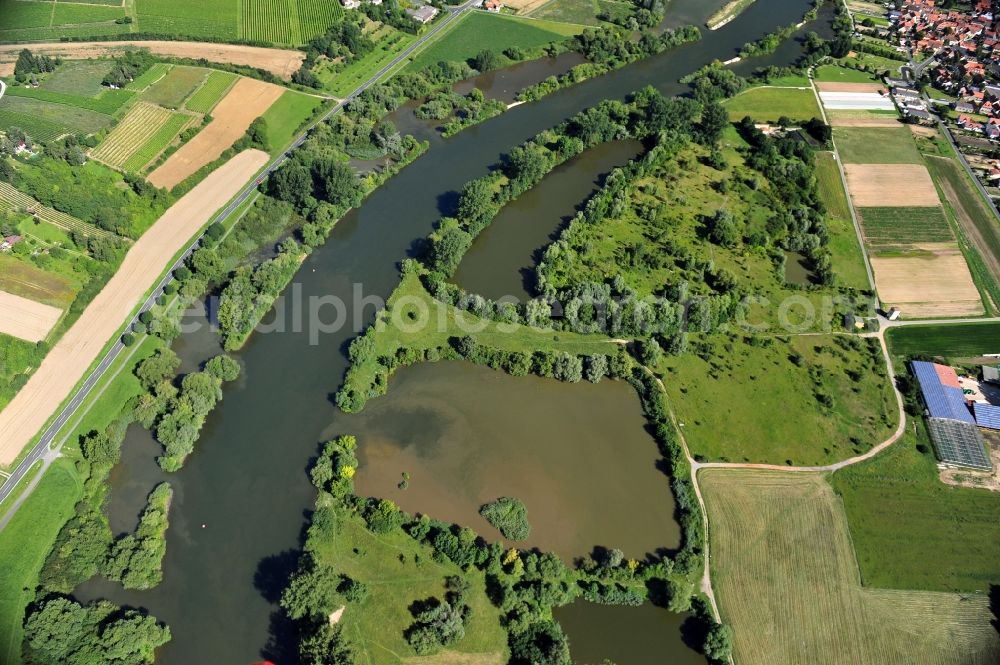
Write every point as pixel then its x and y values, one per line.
pixel 797 269
pixel 627 635
pixel 577 455
pixel 502 260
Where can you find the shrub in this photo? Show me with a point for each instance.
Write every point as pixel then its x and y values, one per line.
pixel 509 516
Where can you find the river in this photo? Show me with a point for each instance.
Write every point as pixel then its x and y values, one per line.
pixel 243 495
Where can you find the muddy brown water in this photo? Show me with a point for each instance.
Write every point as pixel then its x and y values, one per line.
pixel 578 456
pixel 243 496
pixel 628 635
pixel 502 260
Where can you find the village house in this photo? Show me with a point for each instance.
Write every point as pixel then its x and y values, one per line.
pixel 9 242
pixel 423 14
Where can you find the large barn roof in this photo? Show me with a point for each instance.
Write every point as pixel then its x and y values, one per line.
pixel 942 392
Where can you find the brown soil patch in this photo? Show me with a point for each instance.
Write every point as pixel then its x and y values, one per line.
pixel 243 104
pixel 68 361
pixel 877 185
pixel 921 130
pixel 26 319
pixel 935 283
pixel 525 6
pixel 862 121
pixel 834 86
pixel 447 657
pixel 6 68
pixel 281 62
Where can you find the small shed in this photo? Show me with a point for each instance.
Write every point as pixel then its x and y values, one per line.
pixel 991 373
pixel 893 314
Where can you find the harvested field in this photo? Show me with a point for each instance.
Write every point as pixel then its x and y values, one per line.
pixel 880 185
pixel 787 582
pixel 244 103
pixel 281 62
pixel 841 86
pixel 68 361
pixel 27 280
pixel 525 6
pixel 855 119
pixel 933 282
pixel 26 319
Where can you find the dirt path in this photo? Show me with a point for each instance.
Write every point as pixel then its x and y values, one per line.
pixel 73 354
pixel 281 62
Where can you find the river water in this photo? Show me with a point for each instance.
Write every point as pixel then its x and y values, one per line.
pixel 242 498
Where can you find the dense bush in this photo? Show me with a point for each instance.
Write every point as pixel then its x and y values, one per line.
pixel 509 516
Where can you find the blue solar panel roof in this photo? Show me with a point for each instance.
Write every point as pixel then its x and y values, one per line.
pixel 987 415
pixel 942 401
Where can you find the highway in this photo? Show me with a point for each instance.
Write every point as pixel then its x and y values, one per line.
pixel 44 451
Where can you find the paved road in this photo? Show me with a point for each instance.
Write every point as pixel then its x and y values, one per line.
pixel 44 451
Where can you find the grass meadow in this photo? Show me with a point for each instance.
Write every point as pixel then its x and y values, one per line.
pixel 179 83
pixel 398 572
pixel 761 402
pixel 579 12
pixel 963 340
pixel 23 278
pixel 876 145
pixel 837 74
pixel 767 104
pixel 212 90
pixel 848 261
pixel 286 116
pixel 786 580
pixel 904 225
pixel 912 531
pixel 479 31
pixel 78 77
pixel 41 118
pixel 340 82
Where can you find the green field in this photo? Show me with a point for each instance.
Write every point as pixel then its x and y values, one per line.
pixel 209 94
pixel 399 571
pixel 481 31
pixel 41 19
pixel 193 18
pixel 283 22
pixel 78 77
pixel 171 90
pixel 786 580
pixel 964 340
pixel 286 116
pixel 25 544
pixel 579 12
pixel 37 128
pixel 108 102
pixel 848 262
pixel 341 81
pixel 23 278
pixel 149 77
pixel 767 104
pixel 887 226
pixel 46 116
pixel 912 531
pixel 835 74
pixel 741 402
pixel 876 145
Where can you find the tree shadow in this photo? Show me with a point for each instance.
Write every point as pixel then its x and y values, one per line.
pixel 282 640
pixel 995 605
pixel 447 202
pixel 274 572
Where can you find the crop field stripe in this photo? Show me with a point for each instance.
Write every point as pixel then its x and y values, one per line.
pixel 273 21
pixel 150 150
pixel 957 340
pixel 38 128
pixel 315 16
pixel 142 122
pixel 905 225
pixel 211 91
pixel 107 103
pixel 21 200
pixel 151 76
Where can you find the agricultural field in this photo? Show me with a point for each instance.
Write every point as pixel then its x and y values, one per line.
pixel 275 21
pixel 47 19
pixel 134 134
pixel 38 129
pixel 81 77
pixel 158 142
pixel 977 221
pixel 149 77
pixel 862 145
pixel 801 400
pixel 179 83
pixel 107 103
pixel 286 116
pixel 212 90
pixel 22 201
pixel 480 30
pixel 24 279
pixel 191 18
pixel 904 225
pixel 767 104
pixel 787 582
pixel 44 116
pixel 26 319
pixel 848 261
pixel 315 16
pixel 578 12
pixel 927 280
pixel 910 530
pixel 890 184
pixel 836 74
pixel 964 340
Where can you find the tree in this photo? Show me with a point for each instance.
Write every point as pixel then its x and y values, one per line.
pixel 312 591
pixel 326 645
pixel 223 368
pixel 157 367
pixel 541 643
pixel 509 516
pixel 486 61
pixel 292 183
pixel 719 643
pixel 336 183
pixel 442 624
pixel 714 119
pixel 723 229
